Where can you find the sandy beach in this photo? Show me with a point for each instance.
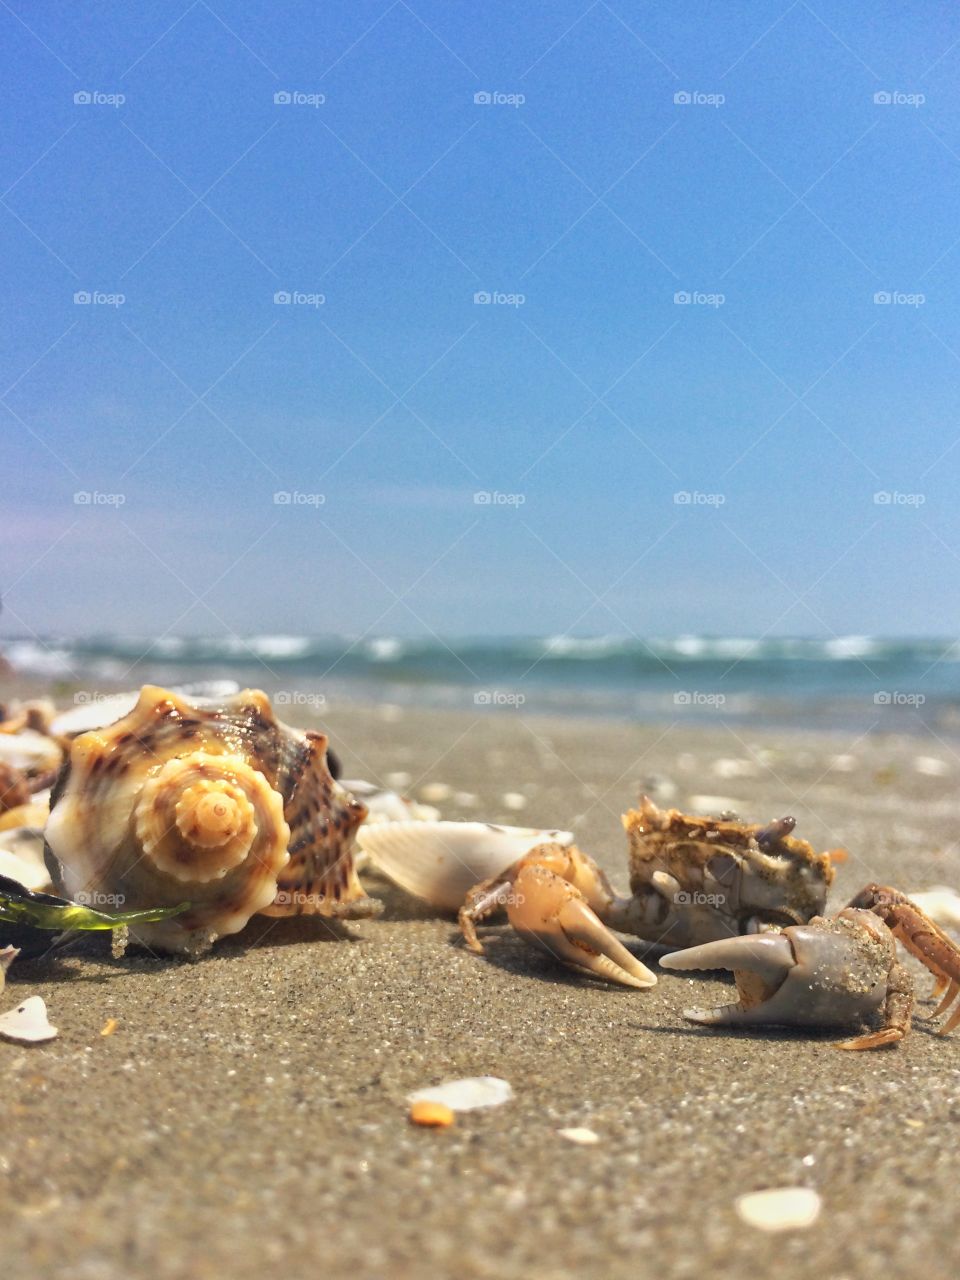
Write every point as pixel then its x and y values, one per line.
pixel 247 1117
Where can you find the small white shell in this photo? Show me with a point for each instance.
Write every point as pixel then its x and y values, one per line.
pixel 468 1094
pixel 442 861
pixel 27 1022
pixel 780 1208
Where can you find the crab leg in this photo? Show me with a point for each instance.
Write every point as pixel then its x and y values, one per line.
pixel 923 938
pixel 482 901
pixel 896 1014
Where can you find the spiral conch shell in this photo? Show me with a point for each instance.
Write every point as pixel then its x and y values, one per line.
pixel 219 806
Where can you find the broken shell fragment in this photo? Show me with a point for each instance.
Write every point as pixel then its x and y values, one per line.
pixel 582 1137
pixel 468 1094
pixel 441 862
pixel 780 1208
pixel 28 1022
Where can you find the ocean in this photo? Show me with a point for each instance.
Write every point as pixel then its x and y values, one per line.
pixel 858 684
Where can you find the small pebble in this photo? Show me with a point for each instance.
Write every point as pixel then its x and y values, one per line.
pixel 843 764
pixel 465 799
pixel 435 792
pixel 398 779
pixel 109 1027
pixel 431 1115
pixel 514 800
pixel 780 1208
pixel 583 1137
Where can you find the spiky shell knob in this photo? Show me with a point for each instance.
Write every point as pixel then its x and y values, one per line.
pixel 218 805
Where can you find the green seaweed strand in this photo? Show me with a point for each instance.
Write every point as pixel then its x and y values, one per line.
pixel 43 911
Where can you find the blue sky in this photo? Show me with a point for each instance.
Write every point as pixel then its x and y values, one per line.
pixel 782 197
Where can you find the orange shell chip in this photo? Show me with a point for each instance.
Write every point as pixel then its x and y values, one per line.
pixel 433 1115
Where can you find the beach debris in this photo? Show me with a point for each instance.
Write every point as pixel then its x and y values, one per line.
pixel 779 1208
pixel 96 712
pixel 931 766
pixel 692 880
pixel 432 1115
pixel 514 800
pixel 435 792
pixel 28 1022
pixel 21 857
pixel 14 790
pixel 834 972
pixel 31 753
pixel 716 806
pixel 384 805
pixel 659 787
pixel 441 861
pixel 941 904
pixel 731 767
pixel 32 814
pixel 581 1137
pixel 469 1094
pixel 7 957
pixel 109 1027
pixel 218 804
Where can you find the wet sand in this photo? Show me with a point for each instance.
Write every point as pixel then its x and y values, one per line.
pixel 248 1118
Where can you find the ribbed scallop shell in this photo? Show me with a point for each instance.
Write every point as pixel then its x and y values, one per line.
pixel 122 829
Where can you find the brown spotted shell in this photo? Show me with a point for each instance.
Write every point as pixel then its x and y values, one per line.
pixel 218 805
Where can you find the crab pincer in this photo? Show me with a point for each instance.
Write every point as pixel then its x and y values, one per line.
pixel 552 898
pixel 828 973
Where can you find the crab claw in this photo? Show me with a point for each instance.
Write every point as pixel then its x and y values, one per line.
pixel 820 974
pixel 550 912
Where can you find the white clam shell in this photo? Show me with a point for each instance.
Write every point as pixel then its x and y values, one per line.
pixel 98 712
pixel 468 1094
pixel 27 1022
pixel 442 861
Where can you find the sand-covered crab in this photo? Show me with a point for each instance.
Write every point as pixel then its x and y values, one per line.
pixel 836 971
pixel 692 880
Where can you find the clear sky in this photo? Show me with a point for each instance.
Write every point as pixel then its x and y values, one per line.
pixel 620 154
